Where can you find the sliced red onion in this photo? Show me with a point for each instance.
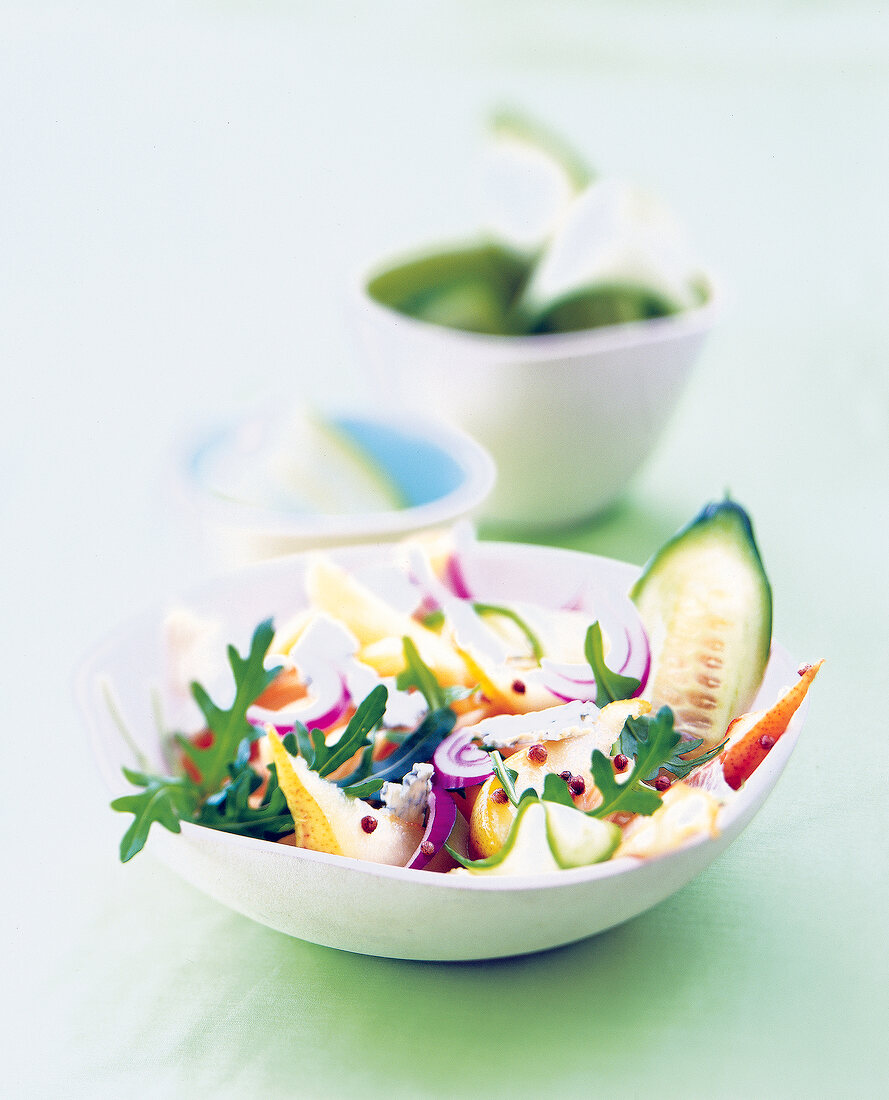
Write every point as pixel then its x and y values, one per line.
pixel 440 819
pixel 459 763
pixel 629 651
pixel 567 682
pixel 319 714
pixel 455 579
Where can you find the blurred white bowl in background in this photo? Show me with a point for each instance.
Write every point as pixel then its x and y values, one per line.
pixel 275 480
pixel 569 418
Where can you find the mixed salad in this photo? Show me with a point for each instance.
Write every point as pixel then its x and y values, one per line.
pixel 440 729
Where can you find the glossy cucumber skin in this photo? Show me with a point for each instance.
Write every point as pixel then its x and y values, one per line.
pixel 706 603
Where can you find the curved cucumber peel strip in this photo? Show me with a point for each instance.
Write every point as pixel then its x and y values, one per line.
pixel 547 836
pixel 706 603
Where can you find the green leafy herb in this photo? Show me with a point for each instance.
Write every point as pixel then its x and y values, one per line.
pixel 165 799
pixel 419 745
pixel 168 800
pixel 417 674
pixel 230 809
pixel 506 776
pixel 655 740
pixel 230 727
pixel 676 764
pixel 364 789
pixel 370 775
pixel 609 685
pixel 323 758
pixel 555 789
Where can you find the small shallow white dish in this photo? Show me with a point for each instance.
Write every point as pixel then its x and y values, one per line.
pixel 391 911
pixel 440 474
pixel 569 418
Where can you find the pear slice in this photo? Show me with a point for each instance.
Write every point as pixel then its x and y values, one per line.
pixel 685 813
pixel 327 820
pixel 373 621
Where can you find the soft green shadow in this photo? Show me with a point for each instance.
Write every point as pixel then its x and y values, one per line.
pixel 631 530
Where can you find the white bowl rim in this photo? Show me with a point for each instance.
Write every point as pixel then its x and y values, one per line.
pixel 745 803
pixel 477 466
pixel 540 347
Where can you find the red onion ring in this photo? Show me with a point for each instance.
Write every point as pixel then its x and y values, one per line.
pixel 459 763
pixel 629 653
pixel 440 820
pixel 455 579
pixel 259 716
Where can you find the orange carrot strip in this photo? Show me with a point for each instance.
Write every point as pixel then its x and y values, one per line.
pixel 287 687
pixel 742 759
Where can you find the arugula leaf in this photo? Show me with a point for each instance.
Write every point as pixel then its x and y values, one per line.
pixel 230 809
pixel 165 799
pixel 365 789
pixel 609 685
pixel 676 764
pixel 417 674
pixel 168 800
pixel 555 789
pixel 655 740
pixel 506 776
pixel 230 727
pixel 419 745
pixel 323 758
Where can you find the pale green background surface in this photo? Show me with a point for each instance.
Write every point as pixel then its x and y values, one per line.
pixel 182 196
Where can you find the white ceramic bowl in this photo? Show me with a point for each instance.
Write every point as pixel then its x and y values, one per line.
pixel 392 911
pixel 442 473
pixel 569 417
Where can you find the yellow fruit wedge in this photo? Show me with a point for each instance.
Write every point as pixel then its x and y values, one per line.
pixel 327 820
pixel 685 813
pixel 375 622
pixel 313 830
pixel 506 689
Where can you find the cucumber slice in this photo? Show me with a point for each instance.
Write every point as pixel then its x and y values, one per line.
pixel 546 837
pixel 706 603
pixel 577 840
pixel 605 304
pixel 526 850
pixel 470 288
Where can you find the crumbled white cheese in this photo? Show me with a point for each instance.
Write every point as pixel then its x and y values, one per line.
pixel 409 798
pixel 553 724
